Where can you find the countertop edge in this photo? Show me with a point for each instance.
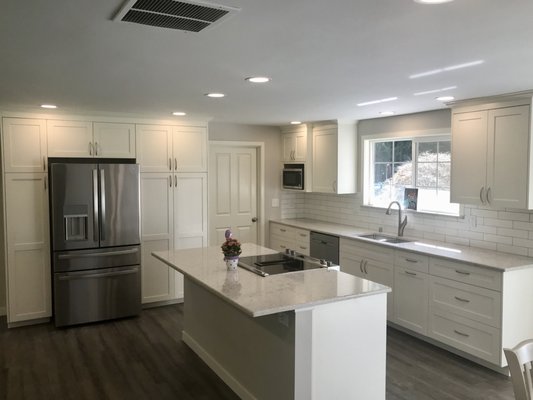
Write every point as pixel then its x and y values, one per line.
pixel 337 230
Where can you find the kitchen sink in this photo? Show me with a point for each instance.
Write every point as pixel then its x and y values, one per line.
pixel 378 237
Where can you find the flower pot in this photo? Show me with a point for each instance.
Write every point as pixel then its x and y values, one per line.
pixel 231 262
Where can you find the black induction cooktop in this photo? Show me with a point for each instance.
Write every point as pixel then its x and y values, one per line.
pixel 279 263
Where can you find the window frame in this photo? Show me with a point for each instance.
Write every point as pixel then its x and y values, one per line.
pixel 430 135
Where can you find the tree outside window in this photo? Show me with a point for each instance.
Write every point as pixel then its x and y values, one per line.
pixel 420 163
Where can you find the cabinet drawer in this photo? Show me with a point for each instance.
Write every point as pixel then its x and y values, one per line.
pixel 469 336
pixel 301 235
pixel 281 244
pixel 366 251
pixel 417 262
pixel 282 230
pixel 479 304
pixel 466 273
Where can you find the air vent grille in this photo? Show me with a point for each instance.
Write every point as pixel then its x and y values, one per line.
pixel 180 15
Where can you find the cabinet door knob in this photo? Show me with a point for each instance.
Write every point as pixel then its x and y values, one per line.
pixel 90 149
pixel 175 163
pixel 44 163
pixel 95 148
pixel 254 219
pixel 169 164
pixel 175 181
pixel 364 267
pixel 487 195
pixel 170 180
pixel 481 194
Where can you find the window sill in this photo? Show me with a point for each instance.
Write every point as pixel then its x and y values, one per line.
pixel 461 214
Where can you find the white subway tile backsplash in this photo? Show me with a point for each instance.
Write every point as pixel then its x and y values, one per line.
pixel 513 216
pixel 497 222
pixel 521 251
pixel 506 231
pixel 513 233
pixel 497 239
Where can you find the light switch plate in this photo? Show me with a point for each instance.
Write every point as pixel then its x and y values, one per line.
pixel 275 203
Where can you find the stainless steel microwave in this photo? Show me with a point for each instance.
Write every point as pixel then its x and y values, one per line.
pixel 293 176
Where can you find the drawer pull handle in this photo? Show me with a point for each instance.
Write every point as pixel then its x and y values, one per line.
pixel 283 230
pixel 283 247
pixel 303 248
pixel 463 300
pixel 462 272
pixel 303 235
pixel 411 260
pixel 461 333
pixel 410 273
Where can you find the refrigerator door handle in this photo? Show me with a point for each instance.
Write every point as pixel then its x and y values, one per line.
pixel 102 197
pixel 100 275
pixel 90 255
pixel 95 205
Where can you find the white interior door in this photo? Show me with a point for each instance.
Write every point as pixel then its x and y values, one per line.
pixel 233 193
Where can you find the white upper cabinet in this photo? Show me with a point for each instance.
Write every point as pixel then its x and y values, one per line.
pixel 70 138
pixel 154 148
pixel 24 144
pixel 171 148
pixel 491 157
pixel 77 139
pixel 189 148
pixel 294 142
pixel 334 158
pixel 114 140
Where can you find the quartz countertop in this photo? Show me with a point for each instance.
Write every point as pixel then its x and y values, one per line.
pixel 472 255
pixel 256 295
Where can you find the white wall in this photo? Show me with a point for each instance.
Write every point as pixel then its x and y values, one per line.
pixel 271 137
pixel 509 231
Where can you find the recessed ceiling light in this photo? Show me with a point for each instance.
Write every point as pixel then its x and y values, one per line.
pixel 435 91
pixel 296 122
pixel 367 103
pixel 215 95
pixel 446 69
pixel 385 113
pixel 258 79
pixel 179 113
pixel 445 98
pixel 48 106
pixel 432 1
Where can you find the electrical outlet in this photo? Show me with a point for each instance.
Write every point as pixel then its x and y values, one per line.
pixel 275 203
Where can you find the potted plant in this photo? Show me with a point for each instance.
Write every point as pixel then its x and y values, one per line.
pixel 231 249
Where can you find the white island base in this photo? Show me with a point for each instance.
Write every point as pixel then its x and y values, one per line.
pixel 330 351
pixel 310 335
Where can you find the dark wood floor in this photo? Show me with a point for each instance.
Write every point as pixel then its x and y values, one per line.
pixel 144 358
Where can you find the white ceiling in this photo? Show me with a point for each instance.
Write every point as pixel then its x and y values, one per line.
pixel 324 57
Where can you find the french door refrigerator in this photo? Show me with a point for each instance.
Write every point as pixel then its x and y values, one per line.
pixel 94 212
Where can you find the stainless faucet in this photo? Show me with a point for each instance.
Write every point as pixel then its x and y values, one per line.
pixel 401 224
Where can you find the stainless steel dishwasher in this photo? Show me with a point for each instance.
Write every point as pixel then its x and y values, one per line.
pixel 325 247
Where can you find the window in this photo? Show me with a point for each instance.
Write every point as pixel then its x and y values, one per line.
pixel 422 163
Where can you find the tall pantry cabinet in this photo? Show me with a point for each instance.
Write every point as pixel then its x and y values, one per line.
pixel 26 242
pixel 173 162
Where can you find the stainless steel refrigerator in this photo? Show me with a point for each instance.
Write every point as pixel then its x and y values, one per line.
pixel 96 253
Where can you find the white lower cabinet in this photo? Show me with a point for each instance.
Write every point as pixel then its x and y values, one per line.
pixel 28 247
pixel 173 216
pixel 411 299
pixel 472 337
pixel 371 262
pixel 283 237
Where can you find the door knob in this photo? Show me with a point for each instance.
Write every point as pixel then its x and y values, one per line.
pixel 254 219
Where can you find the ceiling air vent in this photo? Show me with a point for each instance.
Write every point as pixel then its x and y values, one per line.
pixel 191 16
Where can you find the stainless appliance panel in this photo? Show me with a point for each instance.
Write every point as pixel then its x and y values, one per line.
pixel 96 295
pixel 73 190
pixel 119 204
pixel 324 247
pixel 81 260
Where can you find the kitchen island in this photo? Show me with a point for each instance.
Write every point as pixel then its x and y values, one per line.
pixel 317 334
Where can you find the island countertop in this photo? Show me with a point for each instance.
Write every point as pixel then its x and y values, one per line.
pixel 258 296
